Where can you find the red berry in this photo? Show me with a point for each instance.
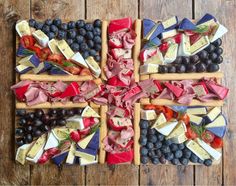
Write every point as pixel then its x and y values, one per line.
pixel 75 136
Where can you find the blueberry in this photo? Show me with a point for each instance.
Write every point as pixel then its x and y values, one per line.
pixel 82 32
pixel 151 153
pixel 75 46
pixel 79 39
pixel 20 112
pixel 28 138
pixel 185 60
pixel 48 22
pixel 171 69
pixel 184 161
pixel 160 137
pixel 178 154
pixel 219 60
pixel 57 22
pixel 168 142
pixel 98 47
pixel 97 58
pixel 83 47
pixel 32 22
pixel 175 161
pixel 162 160
pixel 61 34
pixel 45 128
pixel 144 159
pixel 92 52
pixel 71 34
pixel 194 59
pixel 152 138
pixel 162 69
pixel 80 23
pixel 30 116
pixel 37 122
pixel 70 112
pixel 149 145
pixel 207 62
pixel 89 35
pixel 20 141
pixel 191 68
pixel 37 133
pixel 210 48
pixel 20 131
pixel 143 124
pixel 193 158
pixel 155 160
pixel 85 54
pixel 144 132
pixel 178 60
pixel 158 145
pixel 29 128
pixel 217 43
pixel 52 122
pixel 88 26
pixel 143 140
pixel 54 29
pixel 22 122
pixel 203 55
pixel 69 41
pixel 97 23
pixel 46 29
pixel 61 122
pixel 174 147
pixel 181 146
pixel 213 67
pixel 97 31
pixel 71 25
pixel 208 162
pixel 187 153
pixel 213 56
pixel 165 149
pixel 38 26
pixel 90 43
pixel 97 39
pixel 158 153
pixel 201 67
pixel 219 51
pixel 169 156
pixel 143 151
pixel 200 161
pixel 52 112
pixel 39 113
pixel 51 35
pixel 64 26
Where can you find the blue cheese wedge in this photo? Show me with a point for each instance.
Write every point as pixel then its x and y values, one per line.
pixel 197 150
pixel 41 38
pixel 51 142
pixel 148 69
pixel 221 30
pixel 171 53
pixel 21 153
pixel 169 33
pixel 160 119
pixel 93 66
pixel 196 120
pixel 213 152
pixel 199 45
pixel 53 46
pixel 85 141
pixel 212 115
pixel 75 122
pixel 65 49
pixel 89 112
pixel 83 161
pixel 184 47
pixel 22 28
pixel 197 110
pixel 167 127
pixel 148 114
pixel 36 150
pixel 71 155
pixel 178 134
pixel 170 23
pixel 79 60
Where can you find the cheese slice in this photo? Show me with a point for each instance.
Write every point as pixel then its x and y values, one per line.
pixel 184 47
pixel 178 134
pixel 88 154
pixel 171 53
pixel 22 152
pixel 53 45
pixel 23 28
pixel 83 161
pixel 148 114
pixel 199 45
pixel 219 32
pixel 169 33
pixel 71 155
pixel 212 24
pixel 38 145
pixel 22 69
pixel 65 49
pixel 75 122
pixel 167 127
pixel 149 69
pixel 85 141
pixel 61 133
pixel 41 38
pixel 51 141
pixel 93 66
pixel 212 115
pixel 156 59
pixel 213 152
pixel 160 119
pixel 218 122
pixel 171 22
pixel 196 120
pixel 79 60
pixel 89 112
pixel 197 150
pixel 197 110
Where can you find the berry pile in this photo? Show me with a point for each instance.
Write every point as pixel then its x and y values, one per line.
pixel 207 60
pixel 156 149
pixel 81 36
pixel 34 124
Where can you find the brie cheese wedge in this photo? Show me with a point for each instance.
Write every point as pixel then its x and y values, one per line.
pixel 149 69
pixel 89 112
pixel 178 134
pixel 199 45
pixel 171 53
pixel 79 60
pixel 22 152
pixel 148 114
pixel 212 115
pixel 197 150
pixel 167 127
pixel 53 45
pixel 93 66
pixel 23 28
pixel 160 119
pixel 75 122
pixel 184 47
pixel 85 141
pixel 41 38
pixel 196 120
pixel 51 141
pixel 65 49
pixel 197 110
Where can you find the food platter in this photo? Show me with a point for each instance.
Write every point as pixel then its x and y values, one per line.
pixel 107 80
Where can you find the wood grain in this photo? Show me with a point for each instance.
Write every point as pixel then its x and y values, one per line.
pixel 224 12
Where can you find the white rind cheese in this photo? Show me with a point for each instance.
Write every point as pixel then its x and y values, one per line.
pixel 79 60
pixel 22 28
pixel 22 152
pixel 51 142
pixel 89 112
pixel 170 33
pixel 85 141
pixel 178 134
pixel 171 53
pixel 149 69
pixel 199 45
pixel 196 120
pixel 41 38
pixel 65 49
pixel 218 122
pixel 53 45
pixel 212 115
pixel 71 155
pixel 219 33
pixel 167 127
pixel 93 66
pixel 160 119
pixel 84 161
pixel 148 114
pixel 184 47
pixel 197 110
pixel 197 150
pixel 75 122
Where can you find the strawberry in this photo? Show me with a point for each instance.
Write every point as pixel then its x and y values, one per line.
pixel 75 136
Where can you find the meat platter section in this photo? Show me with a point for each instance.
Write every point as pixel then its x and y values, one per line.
pixel 98 91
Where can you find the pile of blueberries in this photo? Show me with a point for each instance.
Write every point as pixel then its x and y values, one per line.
pixel 156 149
pixel 34 124
pixel 81 36
pixel 207 60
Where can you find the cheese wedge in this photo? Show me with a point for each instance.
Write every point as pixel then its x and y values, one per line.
pixel 61 133
pixel 79 60
pixel 197 110
pixel 167 127
pixel 196 120
pixel 156 59
pixel 21 153
pixel 171 53
pixel 169 33
pixel 148 114
pixel 184 47
pixel 160 119
pixel 83 161
pixel 71 155
pixel 178 134
pixel 53 45
pixel 41 38
pixel 93 66
pixel 85 141
pixel 75 122
pixel 51 141
pixel 65 49
pixel 149 69
pixel 170 23
pixel 221 30
pixel 22 28
pixel 89 112
pixel 212 115
pixel 88 154
pixel 199 45
pixel 197 150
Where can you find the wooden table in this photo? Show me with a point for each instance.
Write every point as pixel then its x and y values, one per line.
pixel 11 173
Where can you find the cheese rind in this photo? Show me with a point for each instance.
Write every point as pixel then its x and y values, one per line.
pixel 51 141
pixel 22 152
pixel 89 112
pixel 93 66
pixel 41 38
pixel 169 33
pixel 197 110
pixel 212 115
pixel 79 60
pixel 23 28
pixel 149 69
pixel 148 114
pixel 85 141
pixel 167 127
pixel 178 134
pixel 71 154
pixel 196 120
pixel 65 49
pixel 197 150
pixel 75 122
pixel 160 119
pixel 184 47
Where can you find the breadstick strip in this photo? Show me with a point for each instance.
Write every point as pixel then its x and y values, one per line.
pixel 215 103
pixel 69 104
pixel 104 48
pixel 136 134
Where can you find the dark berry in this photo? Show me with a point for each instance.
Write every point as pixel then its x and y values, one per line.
pixel 194 59
pixel 158 145
pixel 30 116
pixel 70 112
pixel 28 138
pixel 213 56
pixel 219 51
pixel 57 22
pixel 160 137
pixel 185 60
pixel 210 48
pixel 52 112
pixel 175 161
pixel 151 153
pixel 52 122
pixel 80 23
pixel 32 22
pixel 155 160
pixel 169 156
pixel 97 39
pixel 54 29
pixel 171 69
pixel 217 43
pixel 168 142
pixel 83 47
pixel 187 153
pixel 22 122
pixel 152 138
pixel 181 146
pixel 92 52
pixel 45 128
pixel 158 153
pixel 98 47
pixel 48 22
pixel 71 34
pixel 20 112
pixel 200 161
pixel 162 69
pixel 207 62
pixel 193 158
pixel 51 35
pixel 37 133
pixel 79 39
pixel 143 124
pixel 201 67
pixel 88 26
pixel 178 60
pixel 143 151
pixel 38 26
pixel 208 162
pixel 180 68
pixel 219 60
pixel 75 46
pixel 69 41
pixel 29 128
pixel 213 67
pixel 61 34
pixel 89 35
pixel 20 131
pixel 97 31
pixel 63 26
pixel 174 147
pixel 165 149
pixel 178 154
pixel 149 145
pixel 143 140
pixel 85 54
pixel 97 58
pixel 20 141
pixel 143 132
pixel 203 55
pixel 71 25
pixel 82 31
pixel 97 23
pixel 184 161
pixel 90 43
pixel 61 122
pixel 162 160
pixel 37 123
pixel 144 159
pixel 191 68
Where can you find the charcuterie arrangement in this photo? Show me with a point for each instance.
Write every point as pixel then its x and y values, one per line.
pixel 119 91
